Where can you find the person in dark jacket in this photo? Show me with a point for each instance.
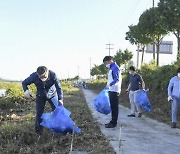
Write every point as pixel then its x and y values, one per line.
pixel 48 86
pixel 135 81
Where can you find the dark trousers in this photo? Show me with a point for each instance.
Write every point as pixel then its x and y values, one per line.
pixel 114 101
pixel 40 104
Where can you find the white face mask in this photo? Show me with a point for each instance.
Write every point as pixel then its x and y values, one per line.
pixel 108 65
pixel 44 79
pixel 178 75
pixel 130 72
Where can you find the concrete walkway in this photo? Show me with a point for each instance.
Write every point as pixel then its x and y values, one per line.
pixel 138 135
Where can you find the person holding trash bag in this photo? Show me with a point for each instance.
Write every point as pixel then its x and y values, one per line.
pixel 174 96
pixel 114 89
pixel 133 87
pixel 47 85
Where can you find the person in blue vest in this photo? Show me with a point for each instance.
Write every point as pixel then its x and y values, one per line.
pixel 135 81
pixel 174 96
pixel 114 89
pixel 48 86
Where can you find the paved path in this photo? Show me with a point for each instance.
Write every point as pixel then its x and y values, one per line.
pixel 139 135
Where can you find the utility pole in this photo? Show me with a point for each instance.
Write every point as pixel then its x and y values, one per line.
pixel 109 47
pixel 78 70
pixel 137 66
pixel 154 50
pixel 90 68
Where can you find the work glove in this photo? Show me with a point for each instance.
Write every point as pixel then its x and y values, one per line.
pixel 60 102
pixel 127 90
pixel 27 94
pixel 169 99
pixel 107 86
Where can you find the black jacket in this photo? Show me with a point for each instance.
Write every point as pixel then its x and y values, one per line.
pixel 43 87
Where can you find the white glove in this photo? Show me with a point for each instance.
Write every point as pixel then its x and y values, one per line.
pixel 169 98
pixel 61 102
pixel 108 86
pixel 27 94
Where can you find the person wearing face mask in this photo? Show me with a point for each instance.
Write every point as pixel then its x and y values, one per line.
pixel 48 86
pixel 134 85
pixel 174 96
pixel 114 89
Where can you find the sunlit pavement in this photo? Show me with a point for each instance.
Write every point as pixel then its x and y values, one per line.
pixel 137 135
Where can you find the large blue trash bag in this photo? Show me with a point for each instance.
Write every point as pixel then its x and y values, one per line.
pixel 143 100
pixel 102 103
pixel 59 120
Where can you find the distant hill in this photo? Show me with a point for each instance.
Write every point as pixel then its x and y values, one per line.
pixel 2 79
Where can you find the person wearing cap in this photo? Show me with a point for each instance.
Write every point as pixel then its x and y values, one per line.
pixel 48 86
pixel 174 96
pixel 134 85
pixel 114 89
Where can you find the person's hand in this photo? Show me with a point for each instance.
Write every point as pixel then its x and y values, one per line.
pixel 107 87
pixel 60 102
pixel 169 99
pixel 127 90
pixel 27 94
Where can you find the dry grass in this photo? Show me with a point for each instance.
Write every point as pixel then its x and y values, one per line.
pixel 17 129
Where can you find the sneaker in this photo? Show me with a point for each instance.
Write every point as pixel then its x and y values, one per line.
pixel 173 125
pixel 110 125
pixel 107 124
pixel 139 115
pixel 131 115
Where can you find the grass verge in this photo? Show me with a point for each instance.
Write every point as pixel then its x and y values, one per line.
pixel 17 129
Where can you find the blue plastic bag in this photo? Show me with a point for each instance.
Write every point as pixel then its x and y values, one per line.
pixel 59 120
pixel 102 103
pixel 143 100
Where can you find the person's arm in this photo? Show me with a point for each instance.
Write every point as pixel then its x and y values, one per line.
pixel 27 82
pixel 142 82
pixel 115 75
pixel 58 89
pixel 127 90
pixel 170 88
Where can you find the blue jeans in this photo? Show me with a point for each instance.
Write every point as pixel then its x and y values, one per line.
pixel 174 108
pixel 40 104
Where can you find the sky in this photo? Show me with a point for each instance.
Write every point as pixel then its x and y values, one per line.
pixel 67 36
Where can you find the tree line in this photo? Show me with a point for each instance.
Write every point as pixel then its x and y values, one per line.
pixel 121 57
pixel 154 24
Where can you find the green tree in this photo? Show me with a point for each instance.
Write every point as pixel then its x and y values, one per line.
pixel 137 36
pixel 122 57
pixel 170 9
pixel 99 70
pixel 103 69
pixel 153 24
pixel 95 70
